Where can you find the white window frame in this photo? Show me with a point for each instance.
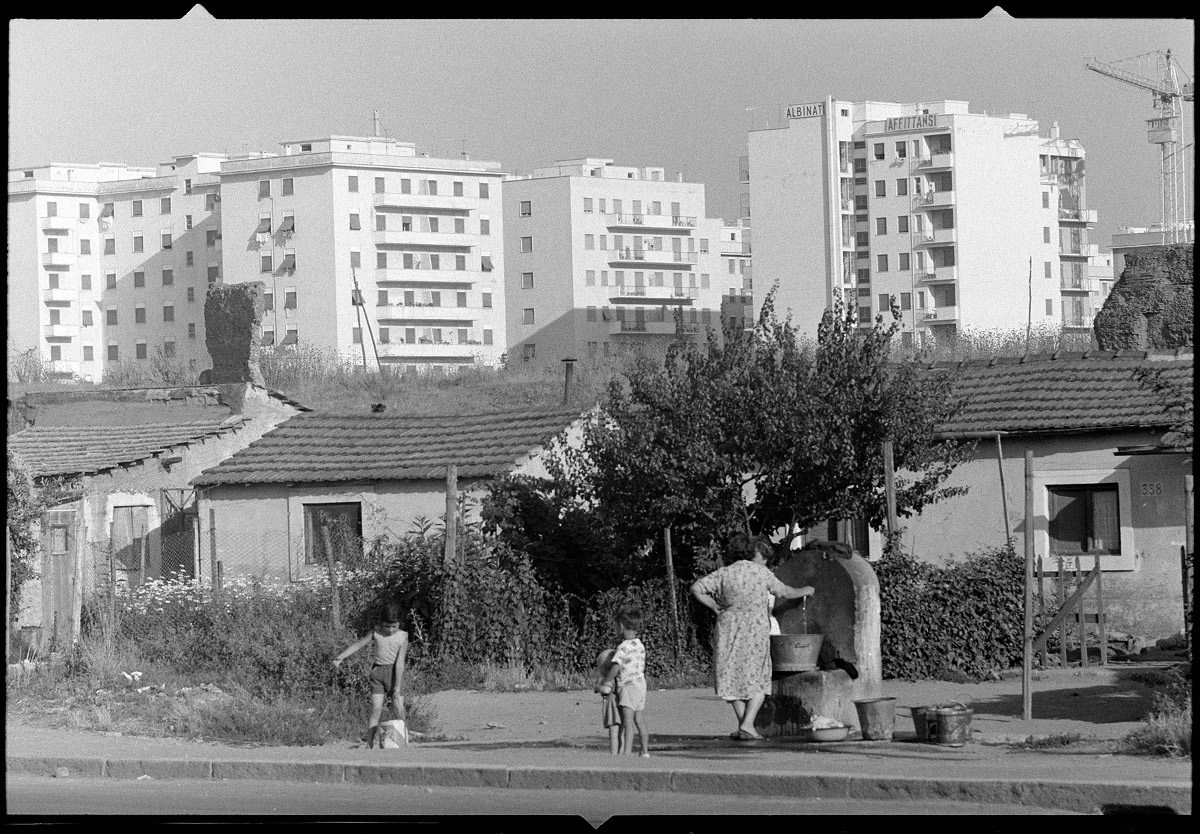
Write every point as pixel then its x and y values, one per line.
pixel 1043 479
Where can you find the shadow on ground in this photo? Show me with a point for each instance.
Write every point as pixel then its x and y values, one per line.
pixel 1105 704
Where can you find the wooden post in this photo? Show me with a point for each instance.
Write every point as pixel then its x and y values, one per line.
pixel 1027 655
pixel 112 576
pixel 671 587
pixel 889 486
pixel 1003 491
pixel 1189 529
pixel 1100 627
pixel 451 514
pixel 212 547
pixel 1041 575
pixel 335 604
pixel 1062 598
pixel 1081 615
pixel 8 594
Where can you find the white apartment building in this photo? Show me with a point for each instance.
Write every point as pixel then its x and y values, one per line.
pixel 601 258
pixel 109 263
pixel 965 220
pixel 420 239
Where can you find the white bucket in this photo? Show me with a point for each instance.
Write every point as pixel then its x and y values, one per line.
pixel 393 734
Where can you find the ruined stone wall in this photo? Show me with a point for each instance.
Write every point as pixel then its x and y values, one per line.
pixel 232 317
pixel 1150 307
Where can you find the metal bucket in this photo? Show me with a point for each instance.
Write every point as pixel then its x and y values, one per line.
pixel 877 717
pixel 795 652
pixel 919 722
pixel 949 724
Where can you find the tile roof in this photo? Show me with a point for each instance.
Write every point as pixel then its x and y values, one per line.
pixel 1062 392
pixel 322 447
pixel 69 450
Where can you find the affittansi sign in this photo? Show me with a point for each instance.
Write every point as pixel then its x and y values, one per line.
pixel 806 111
pixel 910 123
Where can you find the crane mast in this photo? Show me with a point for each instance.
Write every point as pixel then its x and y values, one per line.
pixel 1165 130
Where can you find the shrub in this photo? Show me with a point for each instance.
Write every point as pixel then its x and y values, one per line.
pixel 1167 730
pixel 963 619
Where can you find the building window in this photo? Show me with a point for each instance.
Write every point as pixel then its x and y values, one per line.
pixel 210 237
pixel 526 208
pixel 589 278
pixel 264 188
pixel 1049 306
pixel 88 355
pixel 381 260
pixel 526 280
pixel 1049 273
pixel 528 352
pixel 879 150
pixel 85 246
pixel 381 298
pixel 168 276
pixel 860 202
pixel 110 280
pixel 187 222
pixel 880 188
pixel 166 240
pixel 268 337
pixel 1084 520
pixel 483 191
pixel 264 263
pixel 385 335
pixel 355 259
pixel 139 279
pixel 191 329
pixel 86 317
pixel 55 315
pixel 213 272
pixel 1045 199
pixel 164 205
pixel 381 222
pixel 268 302
pixel 902 222
pixel 291 336
pixel 435 261
pixel 485 226
pixel 288 188
pixel 902 187
pixel 344 523
pixel 527 316
pixel 589 241
pixel 140 350
pixel 353 184
pixel 460 263
pixel 860 240
pixel 85 211
pixel 354 222
pixel 905 301
pixel 487 335
pixel 882 263
pixel 168 312
pixel 901 150
pixel 460 225
pixel 526 244
pixel 55 353
pixel 210 202
pixel 138 244
pixel 885 302
pixel 139 314
pixel 112 353
pixel 289 300
pixel 1045 234
pixel 487 300
pixel 169 349
pixel 458 188
pixel 881 225
pixel 85 282
pixel 356 335
pixel 137 208
pixel 587 205
pixel 431 188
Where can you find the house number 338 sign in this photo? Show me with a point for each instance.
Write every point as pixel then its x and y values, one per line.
pixel 1151 490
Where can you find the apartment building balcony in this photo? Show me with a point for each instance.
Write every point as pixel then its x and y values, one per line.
pixel 666 295
pixel 1078 323
pixel 60 331
pixel 1087 216
pixel 654 328
pixel 1078 250
pixel 427 350
pixel 933 237
pixel 673 222
pixel 1075 283
pixel 933 199
pixel 651 256
pixel 937 275
pixel 55 224
pixel 426 313
pixel 58 258
pixel 390 200
pixel 426 240
pixel 55 295
pixel 935 161
pixel 462 277
pixel 939 315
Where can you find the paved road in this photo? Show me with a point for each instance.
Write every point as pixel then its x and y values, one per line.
pixel 42 795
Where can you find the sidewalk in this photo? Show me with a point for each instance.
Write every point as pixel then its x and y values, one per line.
pixel 554 740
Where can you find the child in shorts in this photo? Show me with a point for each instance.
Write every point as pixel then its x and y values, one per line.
pixel 627 670
pixel 389 645
pixel 610 713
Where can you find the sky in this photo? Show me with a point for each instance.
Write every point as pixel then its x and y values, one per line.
pixel 680 94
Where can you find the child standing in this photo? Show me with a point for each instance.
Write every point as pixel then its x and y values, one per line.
pixel 610 713
pixel 389 645
pixel 628 670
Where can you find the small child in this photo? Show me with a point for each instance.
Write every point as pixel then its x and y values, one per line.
pixel 610 713
pixel 389 647
pixel 627 670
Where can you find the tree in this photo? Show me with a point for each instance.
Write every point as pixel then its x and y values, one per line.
pixel 758 431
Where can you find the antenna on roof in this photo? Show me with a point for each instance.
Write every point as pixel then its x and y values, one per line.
pixel 375 114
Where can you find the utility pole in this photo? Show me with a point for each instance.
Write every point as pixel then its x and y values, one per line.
pixel 1029 320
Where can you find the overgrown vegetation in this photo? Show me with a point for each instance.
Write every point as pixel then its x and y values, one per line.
pixel 1167 730
pixel 972 343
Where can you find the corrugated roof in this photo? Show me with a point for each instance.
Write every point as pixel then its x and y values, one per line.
pixel 1063 392
pixel 69 450
pixel 321 447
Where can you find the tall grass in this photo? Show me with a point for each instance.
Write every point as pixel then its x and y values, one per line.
pixel 1167 729
pixel 1043 337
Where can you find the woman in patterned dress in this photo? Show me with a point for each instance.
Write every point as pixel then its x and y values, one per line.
pixel 737 593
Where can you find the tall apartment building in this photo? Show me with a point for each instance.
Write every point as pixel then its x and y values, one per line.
pixel 420 238
pixel 964 220
pixel 109 263
pixel 601 257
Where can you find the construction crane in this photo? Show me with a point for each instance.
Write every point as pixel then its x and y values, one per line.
pixel 1166 130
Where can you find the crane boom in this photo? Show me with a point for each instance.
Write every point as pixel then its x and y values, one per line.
pixel 1129 78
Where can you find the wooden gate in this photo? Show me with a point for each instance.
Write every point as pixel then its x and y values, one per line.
pixel 60 575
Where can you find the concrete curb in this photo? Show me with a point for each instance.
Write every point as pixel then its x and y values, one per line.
pixel 1065 794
